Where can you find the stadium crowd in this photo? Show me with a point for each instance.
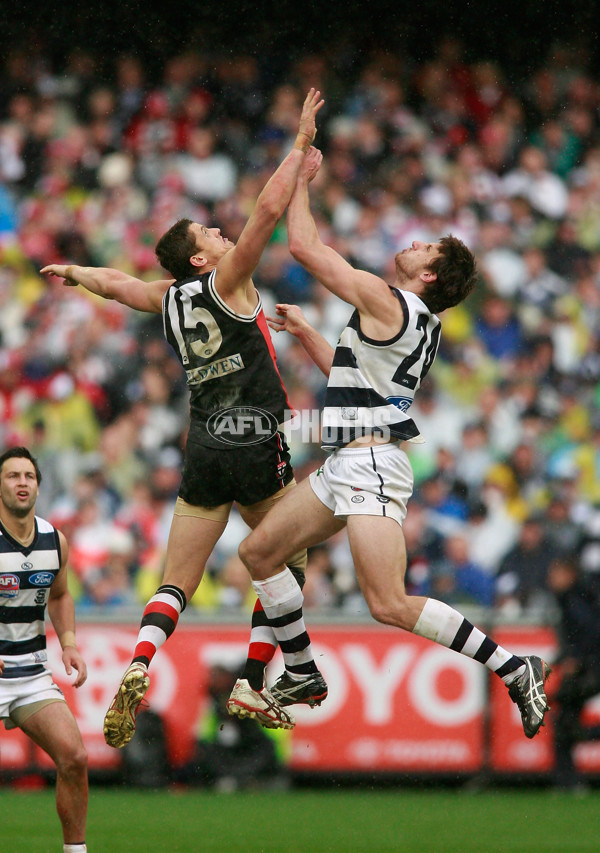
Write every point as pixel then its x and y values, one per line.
pixel 98 158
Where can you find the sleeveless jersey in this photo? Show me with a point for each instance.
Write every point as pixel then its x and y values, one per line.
pixel 26 575
pixel 372 383
pixel 228 358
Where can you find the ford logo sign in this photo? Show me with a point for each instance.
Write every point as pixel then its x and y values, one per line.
pixel 41 578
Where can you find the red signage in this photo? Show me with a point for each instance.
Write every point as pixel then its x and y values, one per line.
pixel 397 702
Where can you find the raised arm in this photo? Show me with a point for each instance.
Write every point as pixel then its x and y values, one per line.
pixel 113 284
pixel 291 319
pixel 367 292
pixel 235 269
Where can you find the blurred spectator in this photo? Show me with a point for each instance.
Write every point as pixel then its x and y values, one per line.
pixel 446 506
pixel 441 422
pixel 545 191
pixel 560 528
pixel 235 585
pixel 89 545
pixel 475 455
pixel 542 287
pixel 110 584
pixel 499 328
pixel 490 531
pixel 233 754
pixel 207 174
pixel 589 543
pixel 522 574
pixel 578 664
pixel 457 580
pixel 130 88
pixel 319 591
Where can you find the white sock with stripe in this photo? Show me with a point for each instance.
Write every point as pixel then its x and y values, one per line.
pixel 444 625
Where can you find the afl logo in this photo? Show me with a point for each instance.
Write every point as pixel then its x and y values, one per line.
pixel 242 425
pixel 41 578
pixel 9 586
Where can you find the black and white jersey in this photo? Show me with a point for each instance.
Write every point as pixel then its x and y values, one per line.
pixel 372 383
pixel 26 575
pixel 228 358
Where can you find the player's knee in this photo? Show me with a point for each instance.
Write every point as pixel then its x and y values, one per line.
pixel 73 763
pixel 248 553
pixel 380 612
pixel 388 610
pixel 258 555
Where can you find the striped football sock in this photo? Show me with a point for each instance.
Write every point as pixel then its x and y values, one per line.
pixel 446 626
pixel 282 598
pixel 159 620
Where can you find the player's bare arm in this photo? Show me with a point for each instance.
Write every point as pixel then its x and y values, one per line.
pixel 113 284
pixel 291 319
pixel 61 610
pixel 367 292
pixel 235 269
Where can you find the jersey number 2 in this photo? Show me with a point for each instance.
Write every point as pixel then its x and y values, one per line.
pixel 409 380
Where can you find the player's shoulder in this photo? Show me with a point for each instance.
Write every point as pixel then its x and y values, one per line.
pixel 43 525
pixel 412 302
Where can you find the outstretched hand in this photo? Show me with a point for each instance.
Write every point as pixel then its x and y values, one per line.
pixel 290 319
pixel 60 271
pixel 312 104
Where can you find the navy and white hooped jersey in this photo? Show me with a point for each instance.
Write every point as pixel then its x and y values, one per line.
pixel 372 383
pixel 228 358
pixel 26 575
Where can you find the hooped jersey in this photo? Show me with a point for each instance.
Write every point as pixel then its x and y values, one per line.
pixel 228 358
pixel 26 575
pixel 372 383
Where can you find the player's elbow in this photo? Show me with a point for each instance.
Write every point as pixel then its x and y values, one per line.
pixel 269 208
pixel 301 248
pixel 295 246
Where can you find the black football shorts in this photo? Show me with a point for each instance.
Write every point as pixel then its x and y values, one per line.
pixel 246 474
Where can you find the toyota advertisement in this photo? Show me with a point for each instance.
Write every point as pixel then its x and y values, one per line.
pixel 397 702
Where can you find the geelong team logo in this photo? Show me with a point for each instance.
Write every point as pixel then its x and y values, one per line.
pixel 242 425
pixel 402 403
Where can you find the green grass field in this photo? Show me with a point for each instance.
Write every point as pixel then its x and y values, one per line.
pixel 316 821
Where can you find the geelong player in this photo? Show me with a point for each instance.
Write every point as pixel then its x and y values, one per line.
pixel 381 358
pixel 33 576
pixel 213 318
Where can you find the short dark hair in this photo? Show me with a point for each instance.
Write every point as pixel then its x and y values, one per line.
pixel 21 453
pixel 456 272
pixel 175 248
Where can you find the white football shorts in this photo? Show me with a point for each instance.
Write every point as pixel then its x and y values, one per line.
pixel 365 481
pixel 16 693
